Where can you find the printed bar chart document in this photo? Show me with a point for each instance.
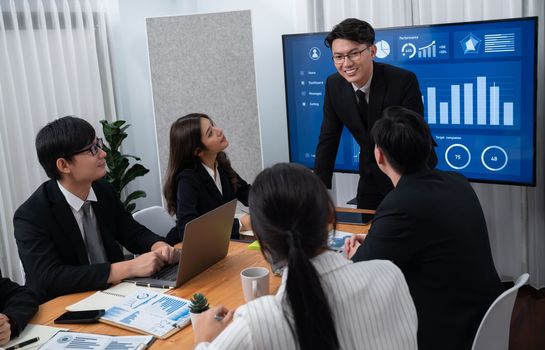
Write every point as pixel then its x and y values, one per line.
pixel 149 312
pixel 73 340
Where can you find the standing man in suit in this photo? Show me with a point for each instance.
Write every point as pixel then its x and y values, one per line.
pixel 431 225
pixel 355 97
pixel 70 230
pixel 17 306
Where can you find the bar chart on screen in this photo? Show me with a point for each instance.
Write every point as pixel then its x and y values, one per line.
pixel 450 111
pixel 471 98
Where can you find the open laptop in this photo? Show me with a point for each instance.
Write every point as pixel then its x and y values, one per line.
pixel 206 241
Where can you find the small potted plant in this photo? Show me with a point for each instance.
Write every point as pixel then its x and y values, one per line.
pixel 199 304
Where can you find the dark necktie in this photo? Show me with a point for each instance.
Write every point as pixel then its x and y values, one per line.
pixel 93 241
pixel 362 106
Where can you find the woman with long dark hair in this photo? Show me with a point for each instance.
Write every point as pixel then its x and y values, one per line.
pixel 199 176
pixel 325 301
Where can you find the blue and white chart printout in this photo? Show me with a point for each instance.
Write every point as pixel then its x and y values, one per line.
pixel 73 340
pixel 150 312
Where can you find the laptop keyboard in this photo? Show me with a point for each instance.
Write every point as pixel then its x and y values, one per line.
pixel 169 273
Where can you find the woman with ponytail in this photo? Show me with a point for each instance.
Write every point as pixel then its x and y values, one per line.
pixel 199 176
pixel 325 301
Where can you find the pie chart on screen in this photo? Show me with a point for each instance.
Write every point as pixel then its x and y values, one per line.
pixel 383 49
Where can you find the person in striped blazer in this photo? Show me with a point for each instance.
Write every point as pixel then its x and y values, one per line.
pixel 324 301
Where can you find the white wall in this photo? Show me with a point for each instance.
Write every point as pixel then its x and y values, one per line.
pixel 129 52
pixel 270 19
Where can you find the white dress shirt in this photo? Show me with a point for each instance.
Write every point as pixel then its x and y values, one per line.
pixel 365 88
pixel 215 175
pixel 370 302
pixel 76 203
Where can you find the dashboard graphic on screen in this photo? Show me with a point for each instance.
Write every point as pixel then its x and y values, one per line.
pixel 478 84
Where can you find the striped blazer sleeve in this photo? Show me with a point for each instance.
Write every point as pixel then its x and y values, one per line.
pixel 236 336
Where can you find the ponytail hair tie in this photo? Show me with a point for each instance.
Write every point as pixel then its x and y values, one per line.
pixel 294 239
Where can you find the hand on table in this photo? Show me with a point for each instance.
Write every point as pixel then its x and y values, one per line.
pixel 352 244
pixel 245 222
pixel 5 329
pixel 207 327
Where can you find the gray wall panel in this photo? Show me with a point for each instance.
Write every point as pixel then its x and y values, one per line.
pixel 205 63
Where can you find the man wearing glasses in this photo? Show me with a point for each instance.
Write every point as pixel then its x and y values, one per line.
pixel 70 230
pixel 355 97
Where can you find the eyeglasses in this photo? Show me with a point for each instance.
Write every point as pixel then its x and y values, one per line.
pixel 93 148
pixel 352 56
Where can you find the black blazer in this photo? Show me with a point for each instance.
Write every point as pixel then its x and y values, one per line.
pixel 433 228
pixel 390 86
pixel 51 246
pixel 197 194
pixel 18 303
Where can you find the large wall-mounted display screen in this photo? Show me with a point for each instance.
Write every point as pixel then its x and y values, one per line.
pixel 478 84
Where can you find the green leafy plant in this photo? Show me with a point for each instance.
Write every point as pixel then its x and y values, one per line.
pixel 199 303
pixel 119 173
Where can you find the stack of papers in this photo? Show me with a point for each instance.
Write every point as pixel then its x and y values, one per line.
pixel 104 299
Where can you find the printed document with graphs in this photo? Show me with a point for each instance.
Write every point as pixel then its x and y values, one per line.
pixel 149 312
pixel 74 340
pixel 103 299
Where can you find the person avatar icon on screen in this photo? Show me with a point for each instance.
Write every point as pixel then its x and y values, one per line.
pixel 314 53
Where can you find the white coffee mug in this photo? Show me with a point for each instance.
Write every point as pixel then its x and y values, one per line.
pixel 255 282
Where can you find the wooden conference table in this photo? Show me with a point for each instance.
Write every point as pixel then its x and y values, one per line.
pixel 220 283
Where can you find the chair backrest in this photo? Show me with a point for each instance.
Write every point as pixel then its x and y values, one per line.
pixel 156 219
pixel 493 332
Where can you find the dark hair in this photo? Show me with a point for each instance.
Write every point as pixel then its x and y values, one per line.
pixel 185 143
pixel 352 29
pixel 404 137
pixel 61 139
pixel 290 210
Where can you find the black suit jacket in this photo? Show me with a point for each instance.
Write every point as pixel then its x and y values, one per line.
pixel 197 194
pixel 18 303
pixel 51 246
pixel 433 228
pixel 390 86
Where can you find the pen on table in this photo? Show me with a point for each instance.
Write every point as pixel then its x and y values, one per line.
pixel 151 285
pixel 146 345
pixel 182 323
pixel 23 343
